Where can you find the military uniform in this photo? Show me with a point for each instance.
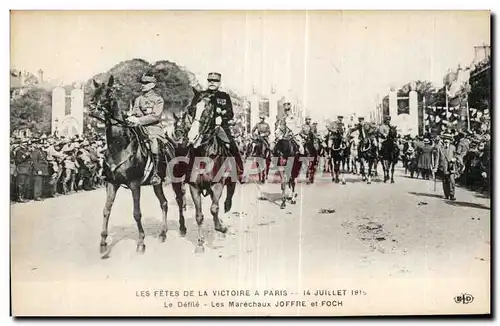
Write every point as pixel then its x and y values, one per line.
pixel 40 171
pixel 148 109
pixel 147 112
pixel 53 158
pixel 23 165
pixel 263 131
pixel 223 106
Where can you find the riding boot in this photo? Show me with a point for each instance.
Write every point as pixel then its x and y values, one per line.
pixel 155 179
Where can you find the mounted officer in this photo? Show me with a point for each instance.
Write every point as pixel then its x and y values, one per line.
pixel 147 112
pixel 386 130
pixel 223 106
pixel 306 131
pixel 286 127
pixel 263 130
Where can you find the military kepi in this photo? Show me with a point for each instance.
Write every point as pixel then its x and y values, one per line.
pixel 215 76
pixel 148 79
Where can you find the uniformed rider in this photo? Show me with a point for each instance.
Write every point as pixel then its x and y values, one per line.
pixel 147 112
pixel 306 131
pixel 286 127
pixel 224 108
pixel 262 130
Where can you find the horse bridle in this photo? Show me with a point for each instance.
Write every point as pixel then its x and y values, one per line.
pixel 108 115
pixel 342 145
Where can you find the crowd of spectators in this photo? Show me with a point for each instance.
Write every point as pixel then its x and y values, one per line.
pixel 43 166
pixel 473 152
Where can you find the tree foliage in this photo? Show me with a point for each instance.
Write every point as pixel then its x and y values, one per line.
pixel 32 110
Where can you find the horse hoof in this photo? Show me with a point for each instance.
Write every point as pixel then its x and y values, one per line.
pixel 369 182
pixel 199 249
pixel 182 231
pixel 343 182
pixel 103 248
pixel 392 181
pixel 162 238
pixel 141 248
pixel 227 206
pixel 282 206
pixel 221 229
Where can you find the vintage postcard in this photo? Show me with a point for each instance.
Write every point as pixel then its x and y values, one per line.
pixel 250 163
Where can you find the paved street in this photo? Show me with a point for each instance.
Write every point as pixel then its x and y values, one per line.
pixel 345 236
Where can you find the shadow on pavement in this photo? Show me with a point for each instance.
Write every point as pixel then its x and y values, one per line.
pixel 423 194
pixel 272 197
pixel 152 230
pixel 466 204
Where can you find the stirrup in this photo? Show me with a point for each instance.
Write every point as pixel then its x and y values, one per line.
pixel 155 180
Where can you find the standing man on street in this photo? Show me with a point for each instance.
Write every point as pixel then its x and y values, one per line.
pixel 445 161
pixel 40 170
pixel 23 164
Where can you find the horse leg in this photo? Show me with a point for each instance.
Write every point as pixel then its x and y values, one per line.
pixel 336 167
pixel 111 190
pixel 393 165
pixel 331 163
pixel 135 187
pixel 292 184
pixel 362 169
pixel 228 203
pixel 196 196
pixel 158 189
pixel 180 192
pixel 283 190
pixel 214 208
pixel 343 171
pixel 370 167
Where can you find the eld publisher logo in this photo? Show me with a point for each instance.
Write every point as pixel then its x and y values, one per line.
pixel 464 298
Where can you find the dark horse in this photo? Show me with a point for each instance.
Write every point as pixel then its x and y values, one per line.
pixel 259 148
pixel 128 162
pixel 336 148
pixel 284 150
pixel 311 151
pixel 205 147
pixel 389 153
pixel 367 154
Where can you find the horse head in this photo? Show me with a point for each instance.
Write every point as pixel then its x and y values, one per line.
pixel 337 140
pixel 103 104
pixel 200 111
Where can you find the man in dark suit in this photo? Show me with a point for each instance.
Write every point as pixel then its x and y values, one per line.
pixel 445 161
pixel 23 164
pixel 40 170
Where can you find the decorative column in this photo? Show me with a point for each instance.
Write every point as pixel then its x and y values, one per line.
pixel 77 108
pixel 413 116
pixel 58 107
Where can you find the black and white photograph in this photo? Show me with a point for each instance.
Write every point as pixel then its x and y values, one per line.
pixel 250 162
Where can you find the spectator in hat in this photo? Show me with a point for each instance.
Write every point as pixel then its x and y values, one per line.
pixel 425 159
pixel 23 164
pixel 446 163
pixel 40 170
